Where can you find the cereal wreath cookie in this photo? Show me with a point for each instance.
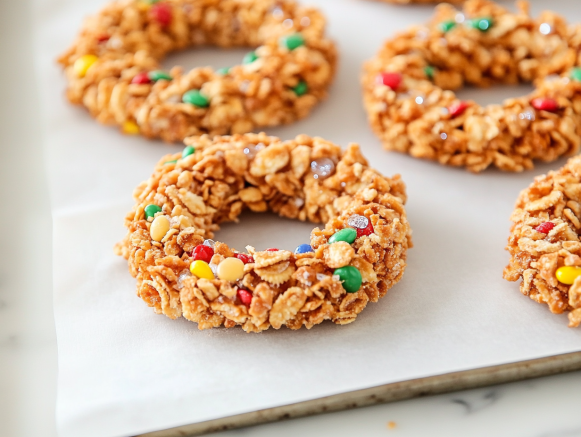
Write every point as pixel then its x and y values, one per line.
pixel 410 105
pixel 544 242
pixel 356 258
pixel 113 68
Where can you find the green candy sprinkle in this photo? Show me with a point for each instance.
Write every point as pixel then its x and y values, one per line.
pixel 196 98
pixel 350 277
pixel 158 75
pixel 249 58
pixel 576 74
pixel 447 26
pixel 301 89
pixel 430 71
pixel 482 24
pixel 348 235
pixel 293 41
pixel 223 71
pixel 173 161
pixel 151 210
pixel 189 150
pixel 150 2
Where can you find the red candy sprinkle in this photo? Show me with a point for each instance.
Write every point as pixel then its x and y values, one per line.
pixel 203 253
pixel 141 79
pixel 457 108
pixel 103 38
pixel 541 104
pixel 365 231
pixel 545 227
pixel 272 249
pixel 161 12
pixel 244 258
pixel 392 80
pixel 245 296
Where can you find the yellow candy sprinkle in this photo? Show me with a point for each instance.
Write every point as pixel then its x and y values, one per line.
pixel 130 128
pixel 143 5
pixel 82 65
pixel 159 227
pixel 568 274
pixel 201 269
pixel 231 269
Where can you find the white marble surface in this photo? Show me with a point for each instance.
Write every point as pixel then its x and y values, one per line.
pixel 543 407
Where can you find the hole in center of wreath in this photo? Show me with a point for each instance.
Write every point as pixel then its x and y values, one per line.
pixel 264 231
pixel 207 56
pixel 496 94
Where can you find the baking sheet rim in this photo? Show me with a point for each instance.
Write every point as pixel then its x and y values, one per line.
pixel 392 392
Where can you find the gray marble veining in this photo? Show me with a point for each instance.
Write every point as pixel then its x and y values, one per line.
pixel 474 404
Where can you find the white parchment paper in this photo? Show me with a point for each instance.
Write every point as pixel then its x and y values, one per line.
pixel 125 370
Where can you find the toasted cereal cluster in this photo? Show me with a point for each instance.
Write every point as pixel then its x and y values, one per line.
pixel 356 258
pixel 544 242
pixel 113 68
pixel 408 97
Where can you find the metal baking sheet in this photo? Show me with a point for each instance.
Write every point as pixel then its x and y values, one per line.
pixel 386 393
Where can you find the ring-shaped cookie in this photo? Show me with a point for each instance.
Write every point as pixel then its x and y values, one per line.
pixel 544 242
pixel 410 105
pixel 356 258
pixel 113 68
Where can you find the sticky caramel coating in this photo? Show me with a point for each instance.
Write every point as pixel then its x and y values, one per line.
pixel 536 256
pixel 219 181
pixel 128 41
pixel 509 136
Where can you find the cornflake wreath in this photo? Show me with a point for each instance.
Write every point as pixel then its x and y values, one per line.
pixel 113 68
pixel 410 105
pixel 180 271
pixel 544 242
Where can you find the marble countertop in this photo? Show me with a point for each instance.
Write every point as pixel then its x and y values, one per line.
pixel 28 353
